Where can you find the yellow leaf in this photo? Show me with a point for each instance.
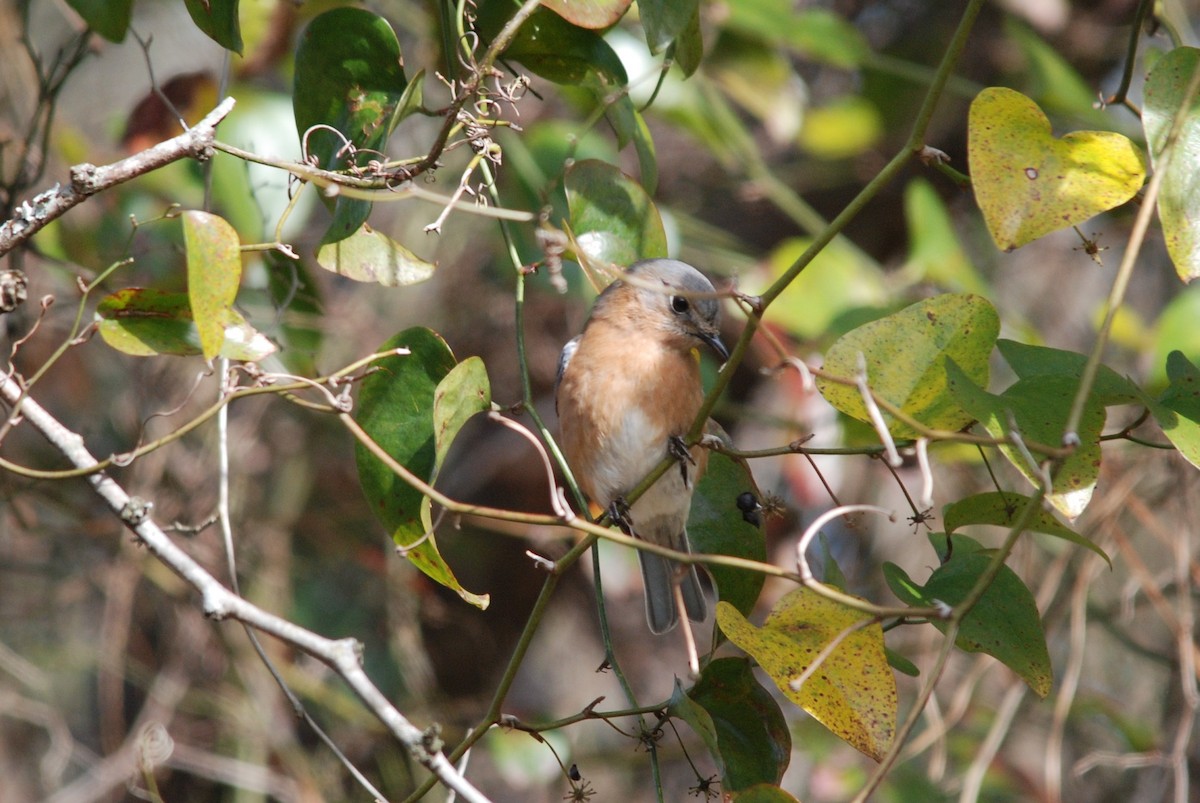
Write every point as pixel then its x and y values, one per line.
pixel 1028 183
pixel 214 269
pixel 852 691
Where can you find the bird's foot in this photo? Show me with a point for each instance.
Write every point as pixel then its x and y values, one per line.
pixel 677 448
pixel 618 514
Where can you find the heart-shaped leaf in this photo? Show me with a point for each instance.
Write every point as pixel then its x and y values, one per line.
pixel 1005 623
pixel 852 692
pixel 1029 183
pixel 905 356
pixel 1179 195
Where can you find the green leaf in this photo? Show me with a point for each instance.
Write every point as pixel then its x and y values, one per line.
pixel 371 256
pixel 147 322
pixel 395 407
pixel 1040 406
pixel 1031 362
pixel 665 20
pixel 716 526
pixel 349 76
pixel 901 664
pixel 1176 330
pixel 630 126
pixel 1178 409
pixel 934 251
pixel 739 721
pixel 816 34
pixel 688 49
pixel 463 392
pixel 218 19
pixel 763 793
pixel 214 268
pixel 852 692
pixel 1179 195
pixel 839 280
pixel 410 102
pixel 1028 183
pixel 590 13
pixel 1004 624
pixel 109 18
pixel 613 220
pixel 552 47
pixel 906 355
pixel 1002 508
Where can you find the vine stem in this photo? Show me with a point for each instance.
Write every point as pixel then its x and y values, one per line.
pixel 1136 237
pixel 912 146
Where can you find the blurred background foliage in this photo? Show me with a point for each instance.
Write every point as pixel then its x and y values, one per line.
pixel 794 106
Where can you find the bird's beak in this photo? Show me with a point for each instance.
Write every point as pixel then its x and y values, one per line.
pixel 713 341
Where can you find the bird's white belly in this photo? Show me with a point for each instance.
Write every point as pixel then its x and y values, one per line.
pixel 630 452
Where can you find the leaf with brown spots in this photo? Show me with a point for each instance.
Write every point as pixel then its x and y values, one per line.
pixel 852 691
pixel 905 356
pixel 1029 183
pixel 1166 88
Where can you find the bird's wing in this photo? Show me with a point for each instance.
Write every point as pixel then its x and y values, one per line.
pixel 564 358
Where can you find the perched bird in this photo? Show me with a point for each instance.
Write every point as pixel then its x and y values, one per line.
pixel 628 391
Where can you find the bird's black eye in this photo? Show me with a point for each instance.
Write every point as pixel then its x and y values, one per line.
pixel 680 304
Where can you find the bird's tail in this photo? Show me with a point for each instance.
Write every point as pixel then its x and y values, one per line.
pixel 658 575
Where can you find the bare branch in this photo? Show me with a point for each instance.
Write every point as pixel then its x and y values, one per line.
pixel 88 179
pixel 343 656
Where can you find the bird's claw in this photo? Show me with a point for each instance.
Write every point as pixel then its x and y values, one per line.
pixel 618 514
pixel 678 449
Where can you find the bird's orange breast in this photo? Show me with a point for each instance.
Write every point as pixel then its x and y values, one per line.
pixel 620 399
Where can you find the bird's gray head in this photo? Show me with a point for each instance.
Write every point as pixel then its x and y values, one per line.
pixel 680 298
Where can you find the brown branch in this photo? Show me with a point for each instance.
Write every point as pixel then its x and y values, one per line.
pixel 88 179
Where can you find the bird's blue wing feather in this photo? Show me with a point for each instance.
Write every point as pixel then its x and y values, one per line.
pixel 564 358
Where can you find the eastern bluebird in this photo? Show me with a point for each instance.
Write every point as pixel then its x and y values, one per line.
pixel 628 391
